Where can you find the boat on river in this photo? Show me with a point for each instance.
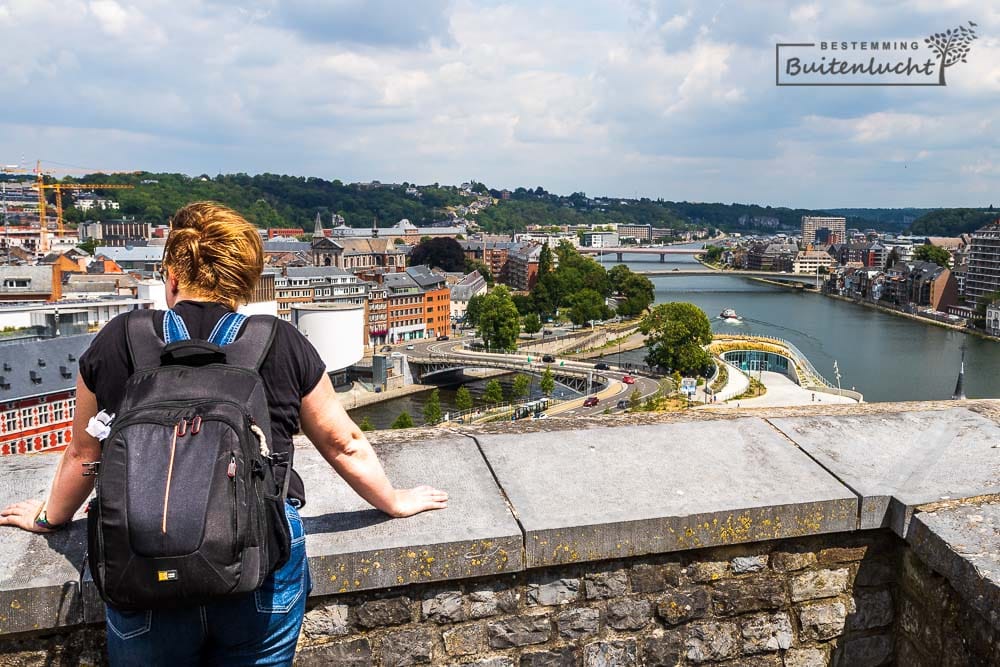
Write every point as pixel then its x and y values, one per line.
pixel 730 316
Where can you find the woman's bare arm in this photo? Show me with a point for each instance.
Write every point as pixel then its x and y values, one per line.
pixel 69 487
pixel 345 447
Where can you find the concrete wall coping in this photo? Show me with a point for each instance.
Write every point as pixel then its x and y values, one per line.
pixel 530 495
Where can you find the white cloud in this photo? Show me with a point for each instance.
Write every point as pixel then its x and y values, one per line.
pixel 671 99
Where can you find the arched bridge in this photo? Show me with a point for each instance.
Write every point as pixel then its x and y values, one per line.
pixel 576 376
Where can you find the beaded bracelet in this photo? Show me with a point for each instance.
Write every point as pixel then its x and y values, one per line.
pixel 42 520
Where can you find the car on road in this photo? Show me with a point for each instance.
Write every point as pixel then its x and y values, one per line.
pixel 628 379
pixel 385 348
pixel 622 404
pixel 591 401
pixel 442 338
pixel 601 366
pixel 547 332
pixel 411 347
pixel 549 359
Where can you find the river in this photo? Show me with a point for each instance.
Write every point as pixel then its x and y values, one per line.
pixel 885 357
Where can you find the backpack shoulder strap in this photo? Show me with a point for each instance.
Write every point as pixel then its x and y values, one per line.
pixel 144 346
pixel 249 350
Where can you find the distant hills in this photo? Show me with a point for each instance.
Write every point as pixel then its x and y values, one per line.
pixel 272 200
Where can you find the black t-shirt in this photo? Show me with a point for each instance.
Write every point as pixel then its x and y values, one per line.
pixel 291 370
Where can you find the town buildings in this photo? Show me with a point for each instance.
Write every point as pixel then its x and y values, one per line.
pixel 471 285
pixel 810 261
pixel 522 267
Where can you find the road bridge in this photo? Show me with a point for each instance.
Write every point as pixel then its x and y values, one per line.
pixel 807 280
pixel 576 376
pixel 663 252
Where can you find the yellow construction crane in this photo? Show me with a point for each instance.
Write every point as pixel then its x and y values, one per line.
pixel 42 186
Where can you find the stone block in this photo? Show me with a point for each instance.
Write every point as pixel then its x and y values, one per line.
pixel 378 613
pixel 867 651
pixel 819 584
pixel 610 654
pixel 553 592
pixel 356 653
pixel 822 621
pixel 683 605
pixel 871 609
pixel 663 649
pixel 648 578
pixel 326 620
pixel 629 614
pixel 603 585
pixel 564 657
pixel 745 564
pixel 711 641
pixel 836 555
pixel 579 622
pixel 354 547
pixel 491 662
pixel 407 647
pixel 464 640
pixel 490 601
pixel 519 631
pixel 707 571
pixel 789 561
pixel 912 458
pixel 806 657
pixel 444 608
pixel 738 596
pixel 767 490
pixel 763 633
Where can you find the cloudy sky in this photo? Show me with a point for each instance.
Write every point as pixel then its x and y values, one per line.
pixel 620 97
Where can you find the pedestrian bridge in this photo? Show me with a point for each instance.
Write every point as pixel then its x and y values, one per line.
pixel 576 376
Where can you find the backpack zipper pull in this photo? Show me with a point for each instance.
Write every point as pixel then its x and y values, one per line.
pixel 231 470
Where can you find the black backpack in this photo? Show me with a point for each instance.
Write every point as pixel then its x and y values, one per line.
pixel 190 499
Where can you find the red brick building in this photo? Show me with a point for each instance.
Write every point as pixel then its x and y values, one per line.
pixel 38 393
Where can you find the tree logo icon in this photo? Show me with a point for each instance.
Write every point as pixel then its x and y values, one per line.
pixel 951 47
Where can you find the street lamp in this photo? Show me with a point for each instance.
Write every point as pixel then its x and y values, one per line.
pixel 836 372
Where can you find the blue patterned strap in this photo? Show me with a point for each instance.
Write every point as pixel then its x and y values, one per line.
pixel 226 329
pixel 174 328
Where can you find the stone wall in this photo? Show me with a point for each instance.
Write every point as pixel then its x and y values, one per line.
pixel 839 536
pixel 813 602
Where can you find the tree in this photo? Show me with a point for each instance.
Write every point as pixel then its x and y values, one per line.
pixel 404 420
pixel 588 305
pixel 475 265
pixel 713 254
pixel 634 401
pixel 520 387
pixel 548 382
pixel 499 321
pixel 532 323
pixel 545 260
pixel 463 399
pixel 432 408
pixel 473 310
pixel 891 259
pixel 440 252
pixel 635 292
pixel 932 253
pixel 366 424
pixel 675 333
pixel 494 392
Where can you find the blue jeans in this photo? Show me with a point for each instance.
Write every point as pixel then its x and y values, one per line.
pixel 259 628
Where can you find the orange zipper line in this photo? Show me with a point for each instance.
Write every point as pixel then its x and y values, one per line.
pixel 170 473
